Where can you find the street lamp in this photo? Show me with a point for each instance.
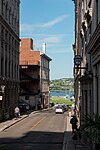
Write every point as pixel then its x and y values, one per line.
pixel 77 66
pixel 77 62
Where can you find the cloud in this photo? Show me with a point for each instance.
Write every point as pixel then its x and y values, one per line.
pixel 54 22
pixel 52 39
pixel 27 27
pixel 49 40
pixel 30 27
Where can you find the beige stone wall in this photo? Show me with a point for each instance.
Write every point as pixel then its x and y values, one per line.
pixel 90 52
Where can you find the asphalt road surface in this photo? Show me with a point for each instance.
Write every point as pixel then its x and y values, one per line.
pixel 40 131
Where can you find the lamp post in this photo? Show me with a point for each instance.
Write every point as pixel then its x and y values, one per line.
pixel 77 62
pixel 77 66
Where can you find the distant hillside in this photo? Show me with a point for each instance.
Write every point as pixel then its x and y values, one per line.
pixel 62 84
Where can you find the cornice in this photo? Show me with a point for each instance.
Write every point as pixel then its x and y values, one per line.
pixel 94 41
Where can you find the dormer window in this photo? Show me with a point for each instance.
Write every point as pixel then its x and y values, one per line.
pixel 84 26
pixel 87 16
pixel 81 33
pixel 90 3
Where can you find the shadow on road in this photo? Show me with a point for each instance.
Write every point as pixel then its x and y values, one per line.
pixel 33 140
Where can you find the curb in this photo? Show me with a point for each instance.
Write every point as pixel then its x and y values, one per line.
pixel 11 124
pixel 65 137
pixel 65 141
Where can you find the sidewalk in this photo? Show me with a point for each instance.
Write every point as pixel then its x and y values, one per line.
pixel 6 124
pixel 69 143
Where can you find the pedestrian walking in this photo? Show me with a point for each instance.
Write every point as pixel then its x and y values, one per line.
pixel 17 112
pixel 74 122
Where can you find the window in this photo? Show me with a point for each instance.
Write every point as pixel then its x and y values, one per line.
pixel 9 70
pixel 9 15
pixel 26 97
pixel 86 4
pixel 12 70
pixel 97 86
pixel 90 29
pixel 82 47
pixel 6 10
pixel 6 67
pixel 97 12
pixel 82 11
pixel 86 103
pixel 2 6
pixel 85 38
pixel 6 40
pixel 1 66
pixel 90 3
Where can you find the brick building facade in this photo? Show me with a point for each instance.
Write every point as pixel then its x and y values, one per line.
pixel 33 67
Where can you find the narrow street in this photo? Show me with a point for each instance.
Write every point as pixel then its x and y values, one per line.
pixel 40 131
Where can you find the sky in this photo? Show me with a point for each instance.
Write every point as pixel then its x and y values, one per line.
pixel 50 22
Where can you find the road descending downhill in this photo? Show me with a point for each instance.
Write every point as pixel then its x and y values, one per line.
pixel 40 131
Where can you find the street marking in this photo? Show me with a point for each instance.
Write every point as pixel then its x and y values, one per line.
pixel 38 123
pixel 3 145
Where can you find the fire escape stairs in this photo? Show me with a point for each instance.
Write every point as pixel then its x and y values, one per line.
pixel 27 91
pixel 24 89
pixel 22 73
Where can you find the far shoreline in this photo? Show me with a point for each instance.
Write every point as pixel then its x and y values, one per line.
pixel 61 90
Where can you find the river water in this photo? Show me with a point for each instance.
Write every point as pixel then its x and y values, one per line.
pixel 67 94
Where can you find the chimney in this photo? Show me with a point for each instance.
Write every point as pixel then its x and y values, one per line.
pixel 44 48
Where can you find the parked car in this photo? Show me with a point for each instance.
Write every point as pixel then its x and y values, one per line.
pixel 59 109
pixel 64 107
pixel 23 107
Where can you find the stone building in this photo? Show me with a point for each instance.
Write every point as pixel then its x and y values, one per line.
pixel 34 75
pixel 9 57
pixel 87 45
pixel 76 51
pixel 87 57
pixel 45 80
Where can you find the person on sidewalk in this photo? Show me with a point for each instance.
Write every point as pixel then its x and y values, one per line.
pixel 17 112
pixel 74 122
